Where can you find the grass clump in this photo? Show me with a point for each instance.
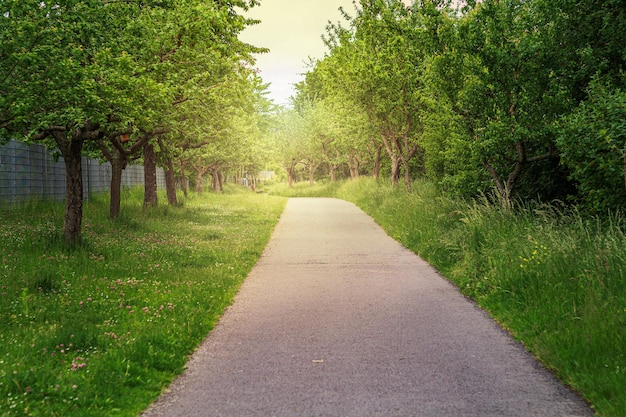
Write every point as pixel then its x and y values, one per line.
pixel 101 329
pixel 556 280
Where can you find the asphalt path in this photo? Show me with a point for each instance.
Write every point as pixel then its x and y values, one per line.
pixel 338 319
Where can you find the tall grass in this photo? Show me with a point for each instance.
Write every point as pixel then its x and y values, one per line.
pixel 102 328
pixel 554 279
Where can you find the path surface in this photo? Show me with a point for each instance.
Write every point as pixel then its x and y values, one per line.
pixel 338 319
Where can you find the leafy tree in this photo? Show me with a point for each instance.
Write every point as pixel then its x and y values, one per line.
pixel 497 78
pixel 60 71
pixel 203 60
pixel 388 67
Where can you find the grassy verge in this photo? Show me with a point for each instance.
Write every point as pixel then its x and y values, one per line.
pixel 101 329
pixel 556 281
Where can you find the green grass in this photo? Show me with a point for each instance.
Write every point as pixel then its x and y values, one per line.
pixel 554 279
pixel 303 189
pixel 102 328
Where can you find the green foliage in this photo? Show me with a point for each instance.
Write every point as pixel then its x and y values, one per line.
pixel 593 146
pixel 103 328
pixel 472 98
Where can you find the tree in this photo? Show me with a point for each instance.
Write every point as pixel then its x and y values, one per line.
pixel 59 71
pixel 200 59
pixel 382 62
pixel 498 80
pixel 348 137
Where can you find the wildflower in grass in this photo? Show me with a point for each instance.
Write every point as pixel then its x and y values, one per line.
pixel 537 256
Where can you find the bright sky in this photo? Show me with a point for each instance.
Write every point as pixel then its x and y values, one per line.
pixel 292 30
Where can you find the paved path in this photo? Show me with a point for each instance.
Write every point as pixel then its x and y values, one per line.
pixel 337 319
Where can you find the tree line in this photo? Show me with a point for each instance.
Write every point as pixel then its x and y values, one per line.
pixel 522 96
pixel 525 97
pixel 165 81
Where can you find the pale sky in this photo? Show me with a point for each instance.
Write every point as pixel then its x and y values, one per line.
pixel 292 30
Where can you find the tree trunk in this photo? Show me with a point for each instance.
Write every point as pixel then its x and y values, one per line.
pixel 392 148
pixel 72 155
pixel 217 180
pixel 199 183
pixel 312 169
pixel 150 198
pixel 117 166
pixel 290 177
pixel 290 173
pixel 395 169
pixel 354 163
pixel 170 183
pixel 503 192
pixel 354 172
pixel 71 148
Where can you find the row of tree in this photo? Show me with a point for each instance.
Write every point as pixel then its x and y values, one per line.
pixel 524 96
pixel 168 81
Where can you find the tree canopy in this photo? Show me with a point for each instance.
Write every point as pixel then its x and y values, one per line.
pixel 491 95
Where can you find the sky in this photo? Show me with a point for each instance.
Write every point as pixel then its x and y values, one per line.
pixel 292 30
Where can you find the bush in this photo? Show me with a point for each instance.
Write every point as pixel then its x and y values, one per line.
pixel 593 146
